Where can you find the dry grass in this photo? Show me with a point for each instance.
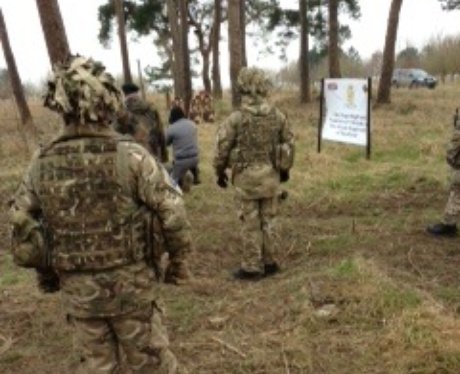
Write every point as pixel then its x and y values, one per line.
pixel 363 289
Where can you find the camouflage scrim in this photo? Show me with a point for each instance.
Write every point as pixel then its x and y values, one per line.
pixel 142 120
pixel 254 82
pixel 81 89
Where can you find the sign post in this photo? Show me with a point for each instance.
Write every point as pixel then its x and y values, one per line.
pixel 345 112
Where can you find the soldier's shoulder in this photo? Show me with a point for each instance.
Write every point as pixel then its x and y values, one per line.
pixel 127 144
pixel 235 116
pixel 280 114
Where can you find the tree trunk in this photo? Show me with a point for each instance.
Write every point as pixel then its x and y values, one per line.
pixel 178 22
pixel 243 33
pixel 303 59
pixel 205 71
pixel 54 30
pixel 141 80
pixel 235 47
pixel 215 42
pixel 205 50
pixel 383 94
pixel 18 92
pixel 120 12
pixel 334 52
pixel 175 36
pixel 185 54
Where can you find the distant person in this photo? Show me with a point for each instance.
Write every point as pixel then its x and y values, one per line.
pixel 258 145
pixel 80 217
pixel 448 226
pixel 142 120
pixel 208 107
pixel 182 135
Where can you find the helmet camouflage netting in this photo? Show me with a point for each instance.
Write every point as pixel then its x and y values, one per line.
pixel 80 87
pixel 254 82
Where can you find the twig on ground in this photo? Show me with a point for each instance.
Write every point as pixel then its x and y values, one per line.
pixel 229 347
pixel 411 262
pixel 285 360
pixel 7 343
pixel 291 248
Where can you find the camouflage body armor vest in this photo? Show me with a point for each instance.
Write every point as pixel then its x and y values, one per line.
pixel 257 137
pixel 80 198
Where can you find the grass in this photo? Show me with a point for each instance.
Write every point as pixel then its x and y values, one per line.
pixel 363 288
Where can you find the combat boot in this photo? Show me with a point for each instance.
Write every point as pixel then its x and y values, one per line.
pixel 242 274
pixel 442 229
pixel 271 269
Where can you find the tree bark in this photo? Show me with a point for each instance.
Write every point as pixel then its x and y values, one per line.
pixel 205 50
pixel 185 54
pixel 305 96
pixel 235 47
pixel 205 71
pixel 384 90
pixel 215 42
pixel 173 16
pixel 120 12
pixel 178 22
pixel 54 30
pixel 18 92
pixel 243 32
pixel 141 80
pixel 334 52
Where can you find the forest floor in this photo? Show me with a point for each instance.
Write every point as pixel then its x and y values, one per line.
pixel 363 288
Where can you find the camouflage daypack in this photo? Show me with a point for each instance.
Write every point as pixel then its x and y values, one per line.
pixel 257 138
pixel 77 183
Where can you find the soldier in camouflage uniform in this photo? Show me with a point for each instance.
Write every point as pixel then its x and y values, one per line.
pixel 82 214
pixel 258 145
pixel 448 225
pixel 195 110
pixel 142 120
pixel 207 107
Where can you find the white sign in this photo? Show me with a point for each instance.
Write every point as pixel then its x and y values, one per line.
pixel 346 105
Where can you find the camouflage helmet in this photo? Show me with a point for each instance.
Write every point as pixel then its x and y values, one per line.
pixel 253 82
pixel 81 89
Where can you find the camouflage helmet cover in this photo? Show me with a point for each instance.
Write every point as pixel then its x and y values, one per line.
pixel 253 82
pixel 80 87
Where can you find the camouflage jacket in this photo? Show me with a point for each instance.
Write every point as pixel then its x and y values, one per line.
pixel 145 184
pixel 142 120
pixel 453 150
pixel 246 142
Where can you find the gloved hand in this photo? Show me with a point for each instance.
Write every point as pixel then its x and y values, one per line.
pixel 284 176
pixel 48 280
pixel 222 180
pixel 177 273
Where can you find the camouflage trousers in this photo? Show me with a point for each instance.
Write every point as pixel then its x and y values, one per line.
pixel 452 209
pixel 259 234
pixel 137 340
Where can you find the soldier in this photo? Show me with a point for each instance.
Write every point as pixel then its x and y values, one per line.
pixel 448 225
pixel 208 108
pixel 195 109
pixel 142 120
pixel 81 217
pixel 258 145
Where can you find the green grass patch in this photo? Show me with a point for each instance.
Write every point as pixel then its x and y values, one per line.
pixel 10 274
pixel 346 269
